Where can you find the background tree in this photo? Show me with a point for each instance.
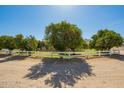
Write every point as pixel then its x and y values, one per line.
pixel 30 43
pixel 45 46
pixel 105 40
pixel 123 40
pixel 7 42
pixel 63 36
pixel 40 45
pixel 19 41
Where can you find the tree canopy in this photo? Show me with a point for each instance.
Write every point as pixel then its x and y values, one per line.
pixel 7 42
pixel 106 39
pixel 63 36
pixel 19 41
pixel 30 43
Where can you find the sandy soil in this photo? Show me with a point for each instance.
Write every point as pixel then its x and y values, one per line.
pixel 29 72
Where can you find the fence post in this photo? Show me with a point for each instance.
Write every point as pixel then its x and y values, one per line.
pixel 119 52
pixel 110 52
pixel 27 53
pixel 51 55
pixel 69 55
pixel 99 53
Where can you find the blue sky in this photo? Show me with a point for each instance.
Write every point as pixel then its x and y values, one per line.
pixel 32 20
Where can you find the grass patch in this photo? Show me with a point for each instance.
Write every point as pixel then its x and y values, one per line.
pixel 40 54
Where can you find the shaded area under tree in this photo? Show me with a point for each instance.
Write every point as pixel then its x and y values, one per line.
pixel 62 71
pixel 118 57
pixel 7 58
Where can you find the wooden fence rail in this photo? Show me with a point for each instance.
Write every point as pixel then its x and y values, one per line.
pixel 63 54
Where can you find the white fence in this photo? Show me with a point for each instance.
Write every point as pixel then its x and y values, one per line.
pixel 62 54
pixel 86 54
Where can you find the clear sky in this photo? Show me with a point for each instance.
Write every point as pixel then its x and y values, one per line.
pixel 31 20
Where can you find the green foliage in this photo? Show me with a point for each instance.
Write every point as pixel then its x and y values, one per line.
pixel 7 42
pixel 105 40
pixel 83 46
pixel 30 43
pixel 63 36
pixel 19 41
pixel 40 45
pixel 45 46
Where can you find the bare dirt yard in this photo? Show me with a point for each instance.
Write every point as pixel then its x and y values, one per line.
pixel 26 72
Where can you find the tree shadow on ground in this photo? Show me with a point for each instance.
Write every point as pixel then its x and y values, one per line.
pixel 118 57
pixel 3 55
pixel 6 58
pixel 62 72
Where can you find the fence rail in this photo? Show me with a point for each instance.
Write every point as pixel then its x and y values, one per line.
pixel 61 54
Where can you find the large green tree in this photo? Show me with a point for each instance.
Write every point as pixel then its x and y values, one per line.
pixel 63 36
pixel 105 40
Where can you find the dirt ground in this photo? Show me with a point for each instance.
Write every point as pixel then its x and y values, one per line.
pixel 107 72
